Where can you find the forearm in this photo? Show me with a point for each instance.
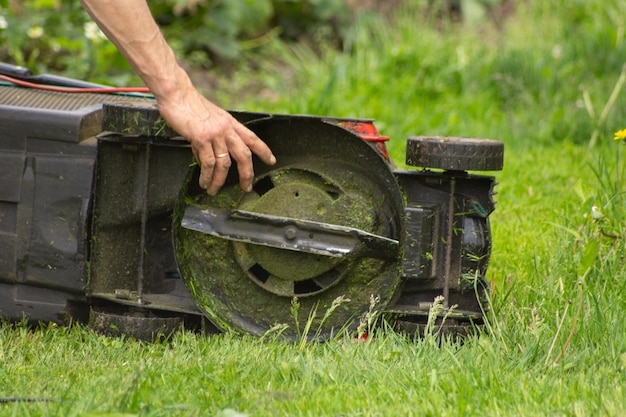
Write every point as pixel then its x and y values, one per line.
pixel 131 27
pixel 214 134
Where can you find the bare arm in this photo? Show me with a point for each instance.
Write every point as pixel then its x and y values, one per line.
pixel 215 136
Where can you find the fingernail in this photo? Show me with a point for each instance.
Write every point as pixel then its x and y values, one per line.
pixel 272 159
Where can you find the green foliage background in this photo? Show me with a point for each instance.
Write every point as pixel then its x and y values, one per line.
pixel 53 35
pixel 523 76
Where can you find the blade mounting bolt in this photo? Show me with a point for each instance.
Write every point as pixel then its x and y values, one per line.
pixel 291 233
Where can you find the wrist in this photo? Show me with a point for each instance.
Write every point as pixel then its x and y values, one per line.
pixel 170 85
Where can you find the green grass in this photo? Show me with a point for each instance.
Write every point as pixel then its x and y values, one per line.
pixel 194 375
pixel 557 342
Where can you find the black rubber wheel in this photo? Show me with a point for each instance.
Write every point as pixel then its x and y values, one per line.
pixel 455 153
pixel 142 325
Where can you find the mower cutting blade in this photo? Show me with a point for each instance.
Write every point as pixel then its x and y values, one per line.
pixel 287 233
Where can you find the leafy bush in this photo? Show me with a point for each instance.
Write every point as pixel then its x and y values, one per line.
pixel 213 31
pixel 58 36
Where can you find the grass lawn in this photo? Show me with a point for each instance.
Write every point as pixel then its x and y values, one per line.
pixel 546 80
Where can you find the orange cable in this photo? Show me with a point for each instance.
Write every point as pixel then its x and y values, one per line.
pixel 22 83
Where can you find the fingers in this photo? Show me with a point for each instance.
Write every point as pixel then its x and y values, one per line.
pixel 247 142
pixel 221 166
pixel 240 143
pixel 216 138
pixel 214 166
pixel 241 153
pixel 215 161
pixel 255 144
pixel 243 156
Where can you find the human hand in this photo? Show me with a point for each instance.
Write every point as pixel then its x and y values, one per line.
pixel 216 138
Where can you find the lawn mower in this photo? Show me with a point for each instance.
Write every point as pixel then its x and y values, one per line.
pixel 102 221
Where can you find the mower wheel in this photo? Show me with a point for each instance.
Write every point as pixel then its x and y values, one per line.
pixel 454 153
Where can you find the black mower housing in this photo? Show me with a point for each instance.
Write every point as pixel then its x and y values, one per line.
pixel 86 216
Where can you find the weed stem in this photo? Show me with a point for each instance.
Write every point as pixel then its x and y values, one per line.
pixel 608 106
pixel 571 332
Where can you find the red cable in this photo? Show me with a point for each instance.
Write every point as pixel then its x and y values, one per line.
pixel 75 90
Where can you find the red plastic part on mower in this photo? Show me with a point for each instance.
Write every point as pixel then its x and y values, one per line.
pixel 366 130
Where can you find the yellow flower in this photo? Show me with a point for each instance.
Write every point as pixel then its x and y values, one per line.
pixel 620 135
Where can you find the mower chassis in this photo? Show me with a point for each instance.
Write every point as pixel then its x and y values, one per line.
pixel 86 221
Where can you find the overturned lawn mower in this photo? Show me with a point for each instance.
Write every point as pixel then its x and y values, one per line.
pixel 102 219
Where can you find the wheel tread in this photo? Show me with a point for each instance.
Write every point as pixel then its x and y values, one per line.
pixel 455 153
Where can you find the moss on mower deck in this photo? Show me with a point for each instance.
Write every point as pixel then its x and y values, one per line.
pixel 231 298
